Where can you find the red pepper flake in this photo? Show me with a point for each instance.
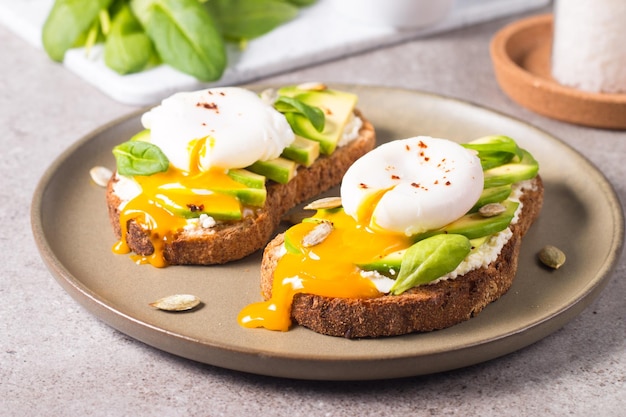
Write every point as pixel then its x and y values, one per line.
pixel 427 159
pixel 209 106
pixel 364 186
pixel 195 208
pixel 416 185
pixel 436 182
pixel 222 93
pixel 448 183
pixel 407 147
pixel 395 177
pixel 422 145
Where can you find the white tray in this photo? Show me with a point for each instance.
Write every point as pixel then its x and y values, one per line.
pixel 278 51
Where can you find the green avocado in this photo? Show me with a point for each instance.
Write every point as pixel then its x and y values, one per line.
pixel 143 136
pixel 521 169
pixel 198 207
pixel 338 107
pixel 303 151
pixel 280 169
pixel 247 178
pixel 492 195
pixel 473 225
pixel 248 196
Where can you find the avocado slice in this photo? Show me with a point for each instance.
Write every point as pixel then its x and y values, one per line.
pixel 473 225
pixel 303 151
pixel 213 205
pixel 143 136
pixel 280 169
pixel 492 195
pixel 524 169
pixel 337 106
pixel 247 178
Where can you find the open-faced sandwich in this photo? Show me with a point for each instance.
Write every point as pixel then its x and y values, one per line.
pixel 210 177
pixel 425 235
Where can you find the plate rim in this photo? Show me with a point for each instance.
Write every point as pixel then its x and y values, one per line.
pixel 106 313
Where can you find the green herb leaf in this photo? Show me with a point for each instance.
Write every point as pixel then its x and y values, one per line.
pixel 184 35
pixel 139 158
pixel 494 150
pixel 315 115
pixel 430 259
pixel 128 48
pixel 301 3
pixel 247 19
pixel 68 21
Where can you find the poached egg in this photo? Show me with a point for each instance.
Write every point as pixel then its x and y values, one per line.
pixel 240 128
pixel 412 185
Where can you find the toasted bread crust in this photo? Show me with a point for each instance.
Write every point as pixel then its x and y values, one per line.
pixel 231 241
pixel 423 308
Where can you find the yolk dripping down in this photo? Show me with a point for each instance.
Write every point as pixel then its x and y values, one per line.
pixel 326 269
pixel 167 198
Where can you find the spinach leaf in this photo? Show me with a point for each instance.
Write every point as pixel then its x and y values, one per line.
pixel 430 259
pixel 494 150
pixel 128 48
pixel 139 158
pixel 184 35
pixel 247 19
pixel 301 3
pixel 315 115
pixel 68 21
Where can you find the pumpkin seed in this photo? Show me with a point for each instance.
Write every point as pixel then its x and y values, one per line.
pixel 177 302
pixel 551 256
pixel 318 234
pixel 324 203
pixel 100 175
pixel 491 209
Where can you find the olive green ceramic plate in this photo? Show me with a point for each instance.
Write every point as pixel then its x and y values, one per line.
pixel 71 228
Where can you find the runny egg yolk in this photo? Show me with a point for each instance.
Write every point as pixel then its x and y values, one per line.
pixel 326 269
pixel 168 198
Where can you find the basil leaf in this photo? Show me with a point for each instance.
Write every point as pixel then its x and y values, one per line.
pixel 430 259
pixel 139 158
pixel 67 21
pixel 315 115
pixel 128 48
pixel 184 35
pixel 248 19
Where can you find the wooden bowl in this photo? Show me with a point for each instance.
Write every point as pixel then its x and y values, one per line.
pixel 521 54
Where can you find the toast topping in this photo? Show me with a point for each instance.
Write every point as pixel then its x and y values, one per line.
pixel 340 265
pixel 412 185
pixel 205 156
pixel 240 127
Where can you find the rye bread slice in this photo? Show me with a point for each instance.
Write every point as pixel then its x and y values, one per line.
pixel 421 309
pixel 228 242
